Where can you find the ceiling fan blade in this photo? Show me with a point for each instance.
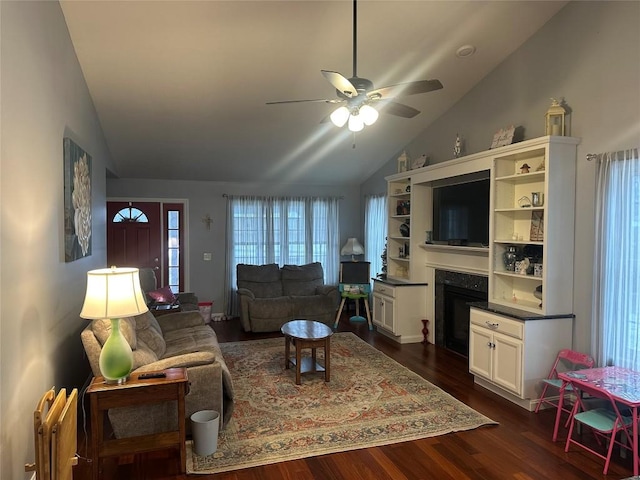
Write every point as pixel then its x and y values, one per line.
pixel 406 89
pixel 340 83
pixel 397 109
pixel 317 100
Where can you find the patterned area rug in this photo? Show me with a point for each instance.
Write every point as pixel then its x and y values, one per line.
pixel 371 400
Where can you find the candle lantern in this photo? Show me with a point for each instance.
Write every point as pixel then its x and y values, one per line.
pixel 555 118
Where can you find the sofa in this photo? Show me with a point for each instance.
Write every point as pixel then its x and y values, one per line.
pixel 270 296
pixel 174 340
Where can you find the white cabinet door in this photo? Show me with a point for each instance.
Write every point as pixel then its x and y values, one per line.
pixel 496 357
pixel 507 363
pixel 389 315
pixel 480 351
pixel 378 310
pixel 383 312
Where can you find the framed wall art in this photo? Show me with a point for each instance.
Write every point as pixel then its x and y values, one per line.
pixel 77 202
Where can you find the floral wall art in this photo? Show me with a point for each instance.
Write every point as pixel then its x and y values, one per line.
pixel 77 202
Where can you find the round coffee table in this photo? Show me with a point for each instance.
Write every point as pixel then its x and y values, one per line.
pixel 307 334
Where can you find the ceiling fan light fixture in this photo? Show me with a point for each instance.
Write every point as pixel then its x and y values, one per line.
pixel 356 124
pixel 369 114
pixel 340 116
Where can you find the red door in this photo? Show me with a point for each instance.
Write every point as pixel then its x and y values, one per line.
pixel 134 235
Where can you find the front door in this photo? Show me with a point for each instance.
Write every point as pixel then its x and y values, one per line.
pixel 134 235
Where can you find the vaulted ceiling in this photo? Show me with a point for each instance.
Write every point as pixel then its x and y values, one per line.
pixel 181 87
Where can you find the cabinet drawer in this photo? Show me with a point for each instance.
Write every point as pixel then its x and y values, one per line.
pixel 497 323
pixel 384 289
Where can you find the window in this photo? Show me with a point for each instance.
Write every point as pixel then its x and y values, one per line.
pixel 375 231
pixel 617 264
pixel 174 240
pixel 288 230
pixel 130 214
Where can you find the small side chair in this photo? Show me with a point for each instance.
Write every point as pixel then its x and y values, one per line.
pixel 606 422
pixel 566 360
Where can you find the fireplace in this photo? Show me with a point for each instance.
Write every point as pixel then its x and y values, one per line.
pixel 454 291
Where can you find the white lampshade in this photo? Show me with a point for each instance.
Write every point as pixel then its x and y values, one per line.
pixel 340 116
pixel 356 123
pixel 352 247
pixel 113 293
pixel 369 114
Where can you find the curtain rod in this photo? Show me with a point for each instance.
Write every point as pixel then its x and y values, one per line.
pixel 598 156
pixel 341 197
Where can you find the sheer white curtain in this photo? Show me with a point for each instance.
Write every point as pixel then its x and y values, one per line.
pixel 616 300
pixel 375 230
pixel 282 230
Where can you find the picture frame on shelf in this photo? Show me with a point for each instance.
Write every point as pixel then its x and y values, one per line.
pixel 537 226
pixel 421 161
pixel 507 136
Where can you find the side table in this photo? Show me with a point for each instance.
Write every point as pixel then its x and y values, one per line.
pixel 307 334
pixel 103 396
pixel 163 309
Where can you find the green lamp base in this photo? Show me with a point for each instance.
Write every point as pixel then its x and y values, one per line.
pixel 116 357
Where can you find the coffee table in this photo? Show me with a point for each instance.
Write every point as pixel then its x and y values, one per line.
pixel 307 334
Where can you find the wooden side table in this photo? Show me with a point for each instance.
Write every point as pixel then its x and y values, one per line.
pixel 103 396
pixel 161 309
pixel 307 334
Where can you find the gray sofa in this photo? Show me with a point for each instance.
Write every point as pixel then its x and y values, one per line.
pixel 270 296
pixel 173 340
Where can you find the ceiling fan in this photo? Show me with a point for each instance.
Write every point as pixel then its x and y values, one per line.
pixel 357 96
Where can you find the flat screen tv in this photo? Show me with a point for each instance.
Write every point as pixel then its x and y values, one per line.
pixel 461 213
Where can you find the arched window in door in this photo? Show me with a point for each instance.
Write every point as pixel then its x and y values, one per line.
pixel 130 214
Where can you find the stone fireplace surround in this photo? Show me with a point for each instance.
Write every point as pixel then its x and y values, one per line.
pixel 476 285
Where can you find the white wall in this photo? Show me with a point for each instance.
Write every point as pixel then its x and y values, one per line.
pixel 588 53
pixel 44 98
pixel 206 278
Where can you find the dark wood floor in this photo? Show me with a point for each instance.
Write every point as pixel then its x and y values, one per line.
pixel 520 447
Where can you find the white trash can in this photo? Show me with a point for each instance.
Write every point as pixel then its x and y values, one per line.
pixel 204 429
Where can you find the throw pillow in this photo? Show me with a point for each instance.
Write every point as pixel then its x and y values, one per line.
pixel 163 295
pixel 149 332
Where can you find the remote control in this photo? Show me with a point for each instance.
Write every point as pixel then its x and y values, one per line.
pixel 144 376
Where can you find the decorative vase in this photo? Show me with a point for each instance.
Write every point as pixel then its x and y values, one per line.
pixel 116 357
pixel 404 229
pixel 509 258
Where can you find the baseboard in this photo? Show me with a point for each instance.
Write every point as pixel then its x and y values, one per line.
pixel 400 338
pixel 526 403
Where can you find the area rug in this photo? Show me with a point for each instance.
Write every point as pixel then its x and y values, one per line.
pixel 371 400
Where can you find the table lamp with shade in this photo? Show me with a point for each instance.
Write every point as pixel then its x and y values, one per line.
pixel 352 247
pixel 114 293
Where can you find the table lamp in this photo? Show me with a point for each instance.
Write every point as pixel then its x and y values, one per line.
pixel 352 247
pixel 114 293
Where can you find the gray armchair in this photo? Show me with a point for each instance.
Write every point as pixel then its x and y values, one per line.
pixel 270 296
